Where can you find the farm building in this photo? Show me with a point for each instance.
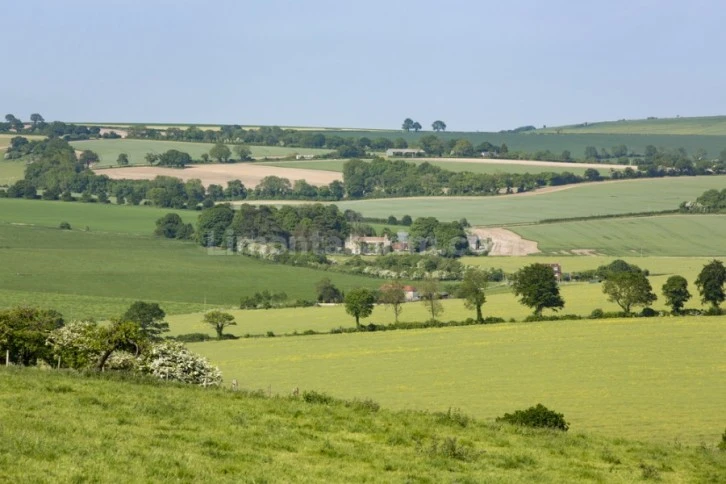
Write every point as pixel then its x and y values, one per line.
pixel 411 293
pixel 405 152
pixel 558 271
pixel 357 245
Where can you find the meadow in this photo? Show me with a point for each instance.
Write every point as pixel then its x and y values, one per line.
pixel 487 168
pixel 608 376
pixel 11 171
pixel 671 235
pixel 165 432
pixel 705 125
pixel 109 149
pixel 583 200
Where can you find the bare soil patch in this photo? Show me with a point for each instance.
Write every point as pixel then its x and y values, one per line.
pixel 505 242
pixel 249 174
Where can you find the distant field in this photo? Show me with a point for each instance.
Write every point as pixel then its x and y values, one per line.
pixel 488 166
pixel 677 235
pixel 11 171
pixel 96 274
pixel 109 149
pixel 707 125
pixel 573 201
pixel 5 140
pixel 626 378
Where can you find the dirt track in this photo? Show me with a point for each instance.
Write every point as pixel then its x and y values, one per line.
pixel 249 174
pixel 506 242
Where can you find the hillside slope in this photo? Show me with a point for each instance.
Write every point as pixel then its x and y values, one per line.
pixel 704 125
pixel 60 427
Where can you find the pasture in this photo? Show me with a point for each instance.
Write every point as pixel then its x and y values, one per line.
pixel 705 125
pixel 673 235
pixel 109 149
pixel 471 165
pixel 583 200
pixel 608 377
pixel 165 432
pixel 11 171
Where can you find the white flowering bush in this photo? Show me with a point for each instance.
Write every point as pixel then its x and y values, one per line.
pixel 76 344
pixel 172 360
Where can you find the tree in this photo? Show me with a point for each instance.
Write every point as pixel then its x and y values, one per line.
pixel 87 157
pixel 219 320
pixel 393 295
pixel 472 290
pixel 536 285
pixel 676 293
pixel 407 124
pixel 438 126
pixel 171 226
pixel 122 160
pixel 175 158
pixel 627 289
pixel 428 291
pixel 118 336
pixel 463 147
pixel 359 303
pixel 149 317
pixel 151 158
pixel 23 333
pixel 213 224
pixel 710 283
pixel 591 174
pixel 243 152
pixel 416 126
pixel 591 153
pixel 327 292
pixel 220 152
pixel 36 119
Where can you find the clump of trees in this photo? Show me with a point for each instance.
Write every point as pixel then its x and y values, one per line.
pixel 171 226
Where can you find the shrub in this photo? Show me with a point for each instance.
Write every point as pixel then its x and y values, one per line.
pixel 536 417
pixel 173 361
pixel 722 444
pixel 192 337
pixel 454 416
pixel 597 314
pixel 64 226
pixel 713 311
pixel 648 313
pixel 318 398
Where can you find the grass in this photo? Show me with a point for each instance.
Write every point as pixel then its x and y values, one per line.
pixel 108 150
pixel 675 235
pixel 11 171
pixel 574 201
pixel 705 125
pixel 488 168
pixel 96 274
pixel 656 379
pixel 163 432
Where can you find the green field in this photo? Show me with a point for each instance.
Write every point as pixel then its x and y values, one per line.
pixel 11 171
pixel 706 125
pixel 657 379
pixel 109 149
pixel 677 235
pixel 574 201
pixel 142 431
pixel 488 168
pixel 5 139
pixel 97 274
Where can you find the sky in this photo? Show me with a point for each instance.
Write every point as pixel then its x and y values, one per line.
pixel 476 65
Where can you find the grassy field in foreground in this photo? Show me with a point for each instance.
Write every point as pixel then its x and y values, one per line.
pixel 574 201
pixel 676 235
pixel 163 432
pixel 706 125
pixel 96 274
pixel 108 150
pixel 11 171
pixel 489 168
pixel 655 379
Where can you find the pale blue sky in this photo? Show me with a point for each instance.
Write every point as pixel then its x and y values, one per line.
pixel 477 65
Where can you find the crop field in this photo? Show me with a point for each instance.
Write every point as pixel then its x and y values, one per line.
pixel 11 171
pixel 109 149
pixel 479 166
pixel 706 125
pixel 191 434
pixel 676 235
pixel 617 197
pixel 608 376
pixel 5 139
pixel 96 274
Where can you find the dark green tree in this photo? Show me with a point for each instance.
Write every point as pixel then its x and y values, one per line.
pixel 416 126
pixel 23 333
pixel 243 152
pixel 87 157
pixel 472 290
pixel 327 292
pixel 676 293
pixel 406 126
pixel 628 289
pixel 359 303
pixel 175 158
pixel 536 286
pixel 171 226
pixel 122 160
pixel 710 283
pixel 149 317
pixel 438 126
pixel 219 320
pixel 213 224
pixel 220 152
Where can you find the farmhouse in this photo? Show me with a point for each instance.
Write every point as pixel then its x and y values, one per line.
pixel 558 271
pixel 404 152
pixel 411 293
pixel 357 245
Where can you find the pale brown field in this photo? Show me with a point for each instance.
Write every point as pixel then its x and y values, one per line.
pixel 249 174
